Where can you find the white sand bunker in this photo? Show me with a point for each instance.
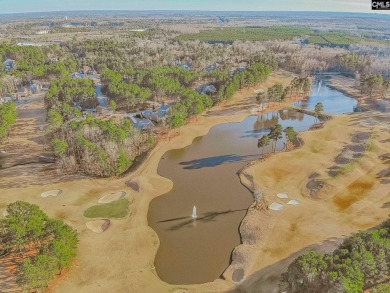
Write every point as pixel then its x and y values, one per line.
pixel 282 195
pixel 276 206
pixel 98 226
pixel 294 202
pixel 112 197
pixel 55 192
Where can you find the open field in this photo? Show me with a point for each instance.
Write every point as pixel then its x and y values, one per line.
pixel 248 34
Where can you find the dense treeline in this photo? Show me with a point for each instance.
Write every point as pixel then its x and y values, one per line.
pixel 96 147
pixel 361 262
pixel 32 62
pixel 374 83
pixel 8 117
pixel 71 91
pixel 125 94
pixel 48 245
pixel 298 87
pixel 355 62
pixel 193 103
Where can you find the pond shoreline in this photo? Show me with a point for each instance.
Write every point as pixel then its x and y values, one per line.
pixel 235 272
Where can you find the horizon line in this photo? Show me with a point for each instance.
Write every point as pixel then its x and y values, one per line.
pixel 376 12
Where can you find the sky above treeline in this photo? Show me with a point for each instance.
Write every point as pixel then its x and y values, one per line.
pixel 16 6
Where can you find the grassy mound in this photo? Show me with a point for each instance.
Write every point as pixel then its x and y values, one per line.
pixel 115 209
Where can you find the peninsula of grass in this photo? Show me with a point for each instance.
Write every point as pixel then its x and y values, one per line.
pixel 115 209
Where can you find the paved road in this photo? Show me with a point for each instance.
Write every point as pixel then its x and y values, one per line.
pixel 103 101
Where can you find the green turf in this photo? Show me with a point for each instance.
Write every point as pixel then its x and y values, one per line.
pixel 248 34
pixel 115 209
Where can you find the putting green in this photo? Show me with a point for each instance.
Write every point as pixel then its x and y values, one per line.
pixel 114 209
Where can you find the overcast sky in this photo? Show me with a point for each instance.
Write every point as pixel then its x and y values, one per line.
pixel 12 6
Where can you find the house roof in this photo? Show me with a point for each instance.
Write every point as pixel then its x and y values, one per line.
pixel 142 123
pixel 207 89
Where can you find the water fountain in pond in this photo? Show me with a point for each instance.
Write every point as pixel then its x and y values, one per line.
pixel 194 215
pixel 319 86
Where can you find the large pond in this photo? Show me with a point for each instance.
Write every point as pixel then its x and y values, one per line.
pixel 205 174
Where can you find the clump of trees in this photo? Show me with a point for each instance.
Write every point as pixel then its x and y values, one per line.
pixel 96 147
pixel 274 135
pixel 47 245
pixel 122 92
pixel 130 87
pixel 318 109
pixel 8 117
pixel 193 103
pixel 299 86
pixel 374 84
pixel 71 91
pixel 252 75
pixel 361 262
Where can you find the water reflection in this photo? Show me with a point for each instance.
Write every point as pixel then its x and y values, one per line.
pixel 334 101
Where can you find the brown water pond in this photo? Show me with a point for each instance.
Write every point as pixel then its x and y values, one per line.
pixel 205 175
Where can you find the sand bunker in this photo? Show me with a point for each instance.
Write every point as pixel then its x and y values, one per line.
pixel 282 195
pixel 98 226
pixel 384 156
pixel 55 192
pixel 294 202
pixel 360 137
pixel 276 206
pixel 133 184
pixel 113 196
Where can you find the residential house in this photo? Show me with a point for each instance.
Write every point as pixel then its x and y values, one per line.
pixel 142 124
pixel 4 100
pixel 239 69
pixel 43 32
pixel 186 65
pixel 35 87
pixel 158 115
pixel 9 65
pixel 207 89
pixel 22 92
pixel 213 67
pixel 86 70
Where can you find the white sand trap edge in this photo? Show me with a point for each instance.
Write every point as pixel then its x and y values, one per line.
pixel 95 226
pixel 55 192
pixel 282 195
pixel 276 206
pixel 294 202
pixel 112 197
